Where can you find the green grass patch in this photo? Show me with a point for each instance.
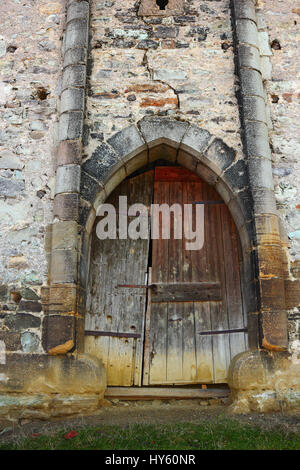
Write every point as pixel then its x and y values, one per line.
pixel 222 433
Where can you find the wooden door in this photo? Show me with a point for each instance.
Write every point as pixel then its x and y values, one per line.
pixel 115 308
pixel 196 322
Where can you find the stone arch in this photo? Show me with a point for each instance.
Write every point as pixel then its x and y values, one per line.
pixel 179 142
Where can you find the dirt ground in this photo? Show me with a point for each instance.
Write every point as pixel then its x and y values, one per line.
pixel 125 414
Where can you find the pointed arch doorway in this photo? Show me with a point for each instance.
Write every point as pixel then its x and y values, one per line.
pixel 157 313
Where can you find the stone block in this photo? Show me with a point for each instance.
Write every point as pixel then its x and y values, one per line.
pixel 76 34
pixel 72 99
pixel 12 340
pixel 195 140
pixel 75 56
pixel 69 153
pixel 89 187
pixel 67 179
pixel 272 293
pixel 246 32
pixel 30 342
pixel 46 375
pixel 274 330
pixel 71 125
pixel 254 109
pixel 78 10
pixel 251 82
pixel 63 266
pixel 260 173
pixel 127 143
pixel 157 131
pixel 219 155
pixel 257 140
pixel 236 176
pixel 30 306
pixel 66 206
pixel 11 188
pixel 20 321
pixel 248 56
pixel 57 330
pixel 292 293
pixel 65 235
pixel 62 299
pixel 103 163
pixel 244 9
pixel 74 76
pixel 264 201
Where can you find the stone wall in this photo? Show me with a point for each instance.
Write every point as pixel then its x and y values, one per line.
pixel 181 67
pixel 30 71
pixel 280 40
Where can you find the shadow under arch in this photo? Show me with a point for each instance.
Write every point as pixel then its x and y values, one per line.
pixel 189 146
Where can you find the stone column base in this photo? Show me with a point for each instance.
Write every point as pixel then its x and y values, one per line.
pixel 37 386
pixel 264 381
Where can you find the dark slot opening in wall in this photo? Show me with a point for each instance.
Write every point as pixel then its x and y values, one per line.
pixel 162 4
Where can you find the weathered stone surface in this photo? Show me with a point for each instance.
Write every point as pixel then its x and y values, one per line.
pixel 264 381
pixel 67 179
pixel 30 342
pixel 127 143
pixel 11 188
pixel 69 152
pixel 157 131
pixel 195 140
pixel 66 206
pixel 11 340
pixel 64 235
pixel 63 266
pixel 70 125
pixel 103 162
pixel 89 187
pixel 30 306
pixel 220 154
pixel 20 321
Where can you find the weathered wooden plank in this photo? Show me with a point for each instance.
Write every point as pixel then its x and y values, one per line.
pixel 152 393
pixel 233 282
pixel 158 343
pixel 186 292
pixel 146 369
pixel 112 311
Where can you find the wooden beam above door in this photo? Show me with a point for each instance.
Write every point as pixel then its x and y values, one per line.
pixel 186 292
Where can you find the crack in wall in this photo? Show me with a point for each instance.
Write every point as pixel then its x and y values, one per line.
pixel 145 63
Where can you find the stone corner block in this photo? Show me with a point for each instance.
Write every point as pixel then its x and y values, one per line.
pixel 72 99
pixel 63 266
pixel 69 152
pixel 67 179
pixel 245 9
pixel 78 10
pixel 71 125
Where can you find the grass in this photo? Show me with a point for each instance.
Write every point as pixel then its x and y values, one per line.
pixel 222 433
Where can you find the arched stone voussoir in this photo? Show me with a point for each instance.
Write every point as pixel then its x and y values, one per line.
pixel 157 131
pixel 127 143
pixel 213 152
